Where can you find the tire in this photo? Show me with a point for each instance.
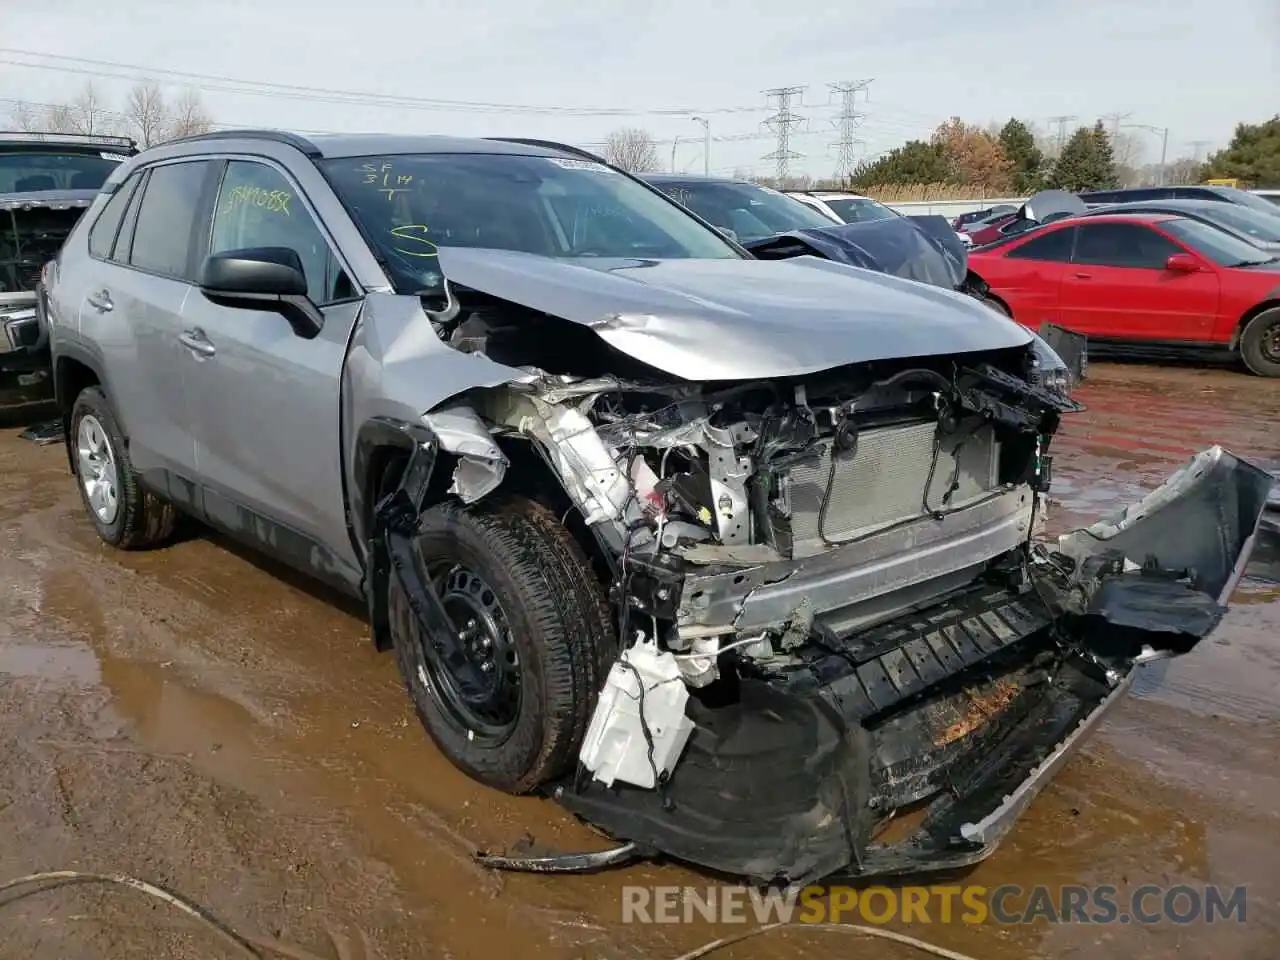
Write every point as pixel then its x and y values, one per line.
pixel 1260 343
pixel 558 635
pixel 997 306
pixel 129 516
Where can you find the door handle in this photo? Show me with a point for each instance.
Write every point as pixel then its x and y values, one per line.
pixel 195 341
pixel 101 301
pixel 1083 276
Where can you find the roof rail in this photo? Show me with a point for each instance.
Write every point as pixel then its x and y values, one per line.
pixel 276 136
pixel 88 139
pixel 551 145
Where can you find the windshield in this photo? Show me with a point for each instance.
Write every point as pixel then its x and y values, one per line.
pixel 409 205
pixel 1261 226
pixel 751 211
pixel 857 211
pixel 1246 199
pixel 1222 248
pixel 34 172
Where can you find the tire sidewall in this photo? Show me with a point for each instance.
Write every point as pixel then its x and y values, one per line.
pixel 92 401
pixel 1251 343
pixel 497 764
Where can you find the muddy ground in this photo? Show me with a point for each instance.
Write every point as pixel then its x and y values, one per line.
pixel 191 716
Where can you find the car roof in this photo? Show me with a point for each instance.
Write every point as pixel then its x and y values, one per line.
pixel 345 145
pixel 1136 216
pixel 687 178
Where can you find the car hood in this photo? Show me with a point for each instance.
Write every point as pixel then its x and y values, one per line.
pixel 739 319
pixel 53 199
pixel 920 248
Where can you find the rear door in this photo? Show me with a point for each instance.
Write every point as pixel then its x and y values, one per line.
pixel 1118 286
pixel 131 309
pixel 266 401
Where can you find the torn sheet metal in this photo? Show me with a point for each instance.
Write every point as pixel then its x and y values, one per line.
pixel 738 319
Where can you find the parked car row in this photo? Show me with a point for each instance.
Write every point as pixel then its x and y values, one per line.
pixel 650 522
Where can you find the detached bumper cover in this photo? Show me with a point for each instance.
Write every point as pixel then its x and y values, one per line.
pixel 970 705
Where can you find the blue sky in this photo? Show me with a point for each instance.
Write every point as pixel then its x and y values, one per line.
pixel 1194 66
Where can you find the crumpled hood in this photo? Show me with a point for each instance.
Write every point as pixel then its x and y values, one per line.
pixel 739 319
pixel 920 248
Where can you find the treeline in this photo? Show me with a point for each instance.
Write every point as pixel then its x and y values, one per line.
pixel 148 113
pixel 1013 161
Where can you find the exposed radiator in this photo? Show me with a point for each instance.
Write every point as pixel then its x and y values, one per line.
pixel 882 481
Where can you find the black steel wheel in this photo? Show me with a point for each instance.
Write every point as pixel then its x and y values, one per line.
pixel 510 706
pixel 1260 343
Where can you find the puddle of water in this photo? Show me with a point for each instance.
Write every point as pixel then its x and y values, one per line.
pixel 71 663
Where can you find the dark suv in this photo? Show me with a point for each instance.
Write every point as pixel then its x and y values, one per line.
pixel 46 182
pixel 1191 192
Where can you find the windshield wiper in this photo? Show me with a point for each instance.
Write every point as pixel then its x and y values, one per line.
pixel 1256 263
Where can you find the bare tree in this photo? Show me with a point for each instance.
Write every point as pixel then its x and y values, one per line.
pixel 26 117
pixel 632 149
pixel 147 114
pixel 188 116
pixel 88 114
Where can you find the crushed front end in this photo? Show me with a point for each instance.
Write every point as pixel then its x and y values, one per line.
pixel 832 609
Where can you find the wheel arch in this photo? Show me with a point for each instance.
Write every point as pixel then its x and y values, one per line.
pixel 73 371
pixel 1272 302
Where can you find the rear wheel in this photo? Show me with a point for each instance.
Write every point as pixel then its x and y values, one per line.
pixel 535 631
pixel 125 514
pixel 1260 343
pixel 997 306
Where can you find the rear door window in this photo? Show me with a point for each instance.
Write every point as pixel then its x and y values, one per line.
pixel 164 235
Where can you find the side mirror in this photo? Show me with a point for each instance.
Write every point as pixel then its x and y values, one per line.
pixel 263 278
pixel 1182 263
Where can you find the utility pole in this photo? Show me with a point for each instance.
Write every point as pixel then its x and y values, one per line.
pixel 1062 122
pixel 781 123
pixel 1164 146
pixel 706 144
pixel 847 123
pixel 674 143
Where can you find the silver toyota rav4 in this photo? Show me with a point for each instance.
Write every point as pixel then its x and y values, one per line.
pixel 734 558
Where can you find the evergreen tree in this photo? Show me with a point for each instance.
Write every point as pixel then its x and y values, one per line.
pixel 913 162
pixel 1253 156
pixel 1019 146
pixel 1086 162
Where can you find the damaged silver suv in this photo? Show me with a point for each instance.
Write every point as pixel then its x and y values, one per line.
pixel 732 557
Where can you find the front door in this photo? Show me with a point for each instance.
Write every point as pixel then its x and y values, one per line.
pixel 1118 285
pixel 266 401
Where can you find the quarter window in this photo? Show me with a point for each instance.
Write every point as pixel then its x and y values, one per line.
pixel 164 233
pixel 259 207
pixel 1053 246
pixel 103 235
pixel 1123 245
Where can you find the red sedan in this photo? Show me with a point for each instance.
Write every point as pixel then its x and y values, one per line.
pixel 1158 282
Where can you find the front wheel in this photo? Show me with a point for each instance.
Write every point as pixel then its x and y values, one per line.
pixel 534 630
pixel 1260 343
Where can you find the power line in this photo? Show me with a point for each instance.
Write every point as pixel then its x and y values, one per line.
pixel 781 123
pixel 847 122
pixel 118 70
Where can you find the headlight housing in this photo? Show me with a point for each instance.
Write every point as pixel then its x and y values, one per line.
pixel 1049 370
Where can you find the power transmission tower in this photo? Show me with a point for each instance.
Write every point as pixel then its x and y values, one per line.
pixel 1062 122
pixel 1198 146
pixel 847 123
pixel 781 123
pixel 1115 119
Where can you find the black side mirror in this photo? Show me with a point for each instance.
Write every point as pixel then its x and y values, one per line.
pixel 263 278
